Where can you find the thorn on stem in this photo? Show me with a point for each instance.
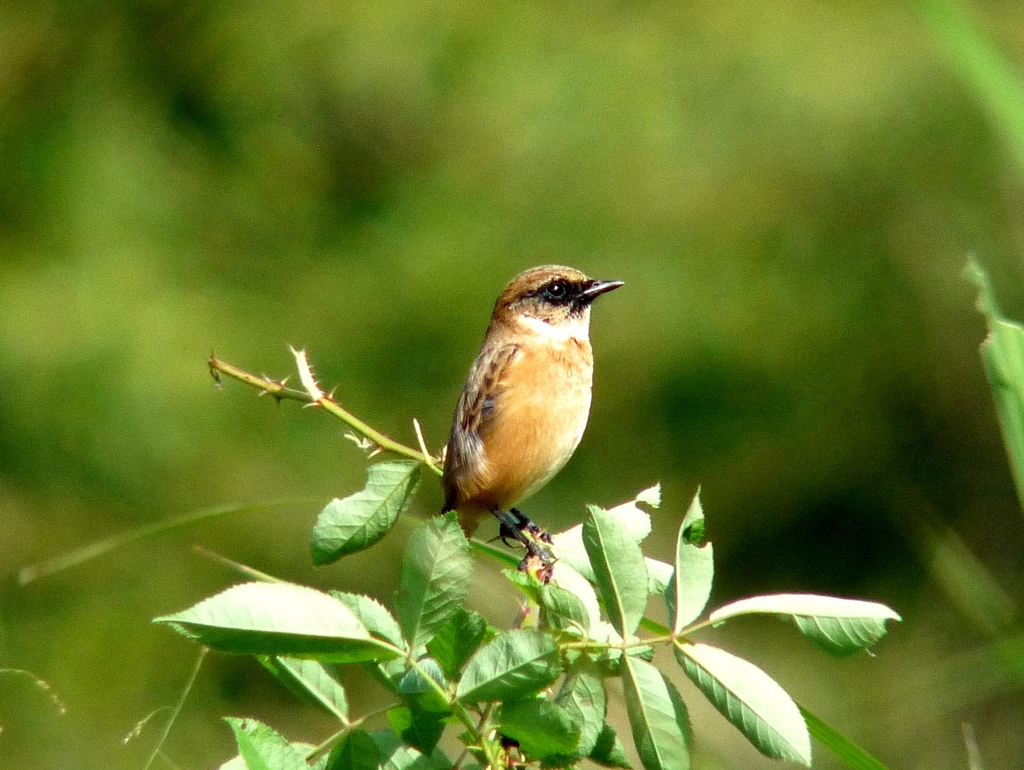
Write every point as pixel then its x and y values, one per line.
pixel 427 457
pixel 306 375
pixel 215 372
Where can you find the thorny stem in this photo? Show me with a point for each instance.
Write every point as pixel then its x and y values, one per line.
pixel 423 447
pixel 275 388
pixel 313 396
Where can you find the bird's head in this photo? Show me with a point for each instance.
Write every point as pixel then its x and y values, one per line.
pixel 557 296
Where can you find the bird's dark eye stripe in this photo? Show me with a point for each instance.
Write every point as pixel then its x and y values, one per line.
pixel 559 291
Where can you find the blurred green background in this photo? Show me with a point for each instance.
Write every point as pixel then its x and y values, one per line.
pixel 789 190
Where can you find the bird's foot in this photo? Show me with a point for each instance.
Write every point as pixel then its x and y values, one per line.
pixel 518 526
pixel 526 525
pixel 539 561
pixel 505 532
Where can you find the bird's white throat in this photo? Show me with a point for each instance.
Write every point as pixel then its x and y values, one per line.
pixel 570 329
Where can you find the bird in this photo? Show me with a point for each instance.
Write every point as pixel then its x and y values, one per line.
pixel 525 403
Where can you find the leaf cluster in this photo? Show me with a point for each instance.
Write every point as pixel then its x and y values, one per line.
pixel 536 694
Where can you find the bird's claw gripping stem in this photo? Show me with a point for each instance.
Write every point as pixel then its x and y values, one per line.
pixel 538 560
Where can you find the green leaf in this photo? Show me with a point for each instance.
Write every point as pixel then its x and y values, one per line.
pixel 993 76
pixel 567 578
pixel 541 728
pixel 565 610
pixel 356 751
pixel 417 679
pixel 360 520
pixel 750 699
pixel 436 574
pixel 850 753
pixel 264 749
pixel 969 583
pixel 311 681
pixel 418 688
pixel 457 639
pixel 374 616
pixel 515 664
pixel 688 591
pixel 657 716
pixel 659 575
pixel 279 619
pixel 420 729
pixel 238 761
pixel 582 696
pixel 568 546
pixel 838 626
pixel 619 569
pixel 528 584
pixel 650 496
pixel 568 549
pixel 692 526
pixel 636 521
pixel 609 751
pixel 397 755
pixel 1002 354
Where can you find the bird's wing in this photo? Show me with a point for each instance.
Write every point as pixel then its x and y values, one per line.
pixel 473 415
pixel 483 389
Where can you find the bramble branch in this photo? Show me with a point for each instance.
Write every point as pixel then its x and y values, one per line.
pixel 312 395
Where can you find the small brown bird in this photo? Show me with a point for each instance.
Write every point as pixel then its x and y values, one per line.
pixel 525 404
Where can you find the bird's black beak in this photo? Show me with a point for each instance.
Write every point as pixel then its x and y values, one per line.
pixel 597 288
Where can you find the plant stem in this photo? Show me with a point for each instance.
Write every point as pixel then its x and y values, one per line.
pixel 315 397
pixel 275 388
pixel 334 738
pixel 177 707
pixel 463 715
pixel 243 569
pixel 100 547
pixel 460 759
pixel 485 743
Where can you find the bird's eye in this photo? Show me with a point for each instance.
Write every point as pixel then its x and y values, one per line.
pixel 556 291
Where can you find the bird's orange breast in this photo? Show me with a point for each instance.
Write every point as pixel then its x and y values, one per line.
pixel 538 421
